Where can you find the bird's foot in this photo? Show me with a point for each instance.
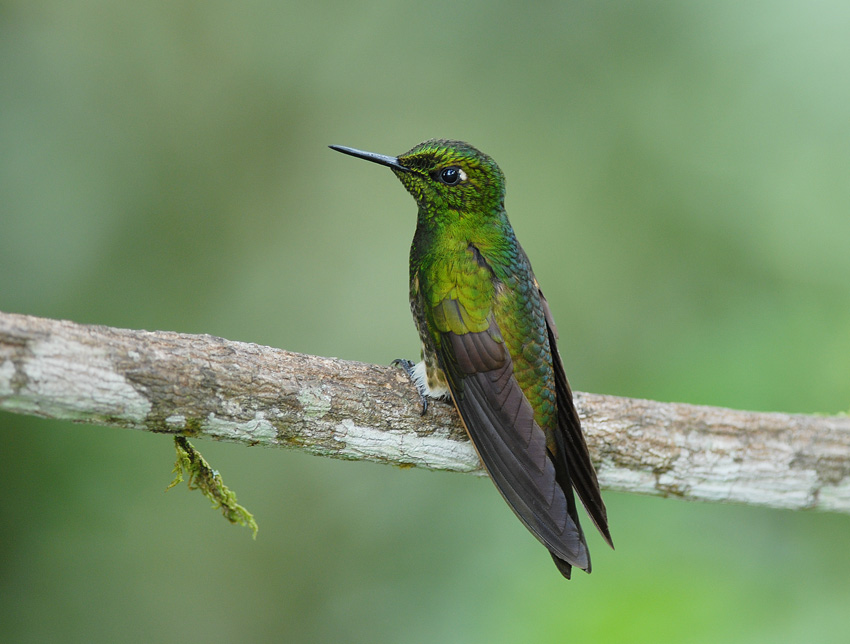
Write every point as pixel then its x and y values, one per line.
pixel 408 366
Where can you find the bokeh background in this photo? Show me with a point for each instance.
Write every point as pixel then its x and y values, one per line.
pixel 678 173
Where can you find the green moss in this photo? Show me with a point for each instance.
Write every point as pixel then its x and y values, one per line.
pixel 192 427
pixel 202 477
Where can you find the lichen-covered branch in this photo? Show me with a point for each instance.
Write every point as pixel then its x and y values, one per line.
pixel 199 385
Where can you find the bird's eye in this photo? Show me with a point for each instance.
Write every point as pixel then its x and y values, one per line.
pixel 451 176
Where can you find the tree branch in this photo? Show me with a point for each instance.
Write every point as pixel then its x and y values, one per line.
pixel 200 385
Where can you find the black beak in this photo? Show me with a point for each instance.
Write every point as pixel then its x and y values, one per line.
pixel 382 159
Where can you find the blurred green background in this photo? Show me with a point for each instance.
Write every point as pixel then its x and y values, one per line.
pixel 678 173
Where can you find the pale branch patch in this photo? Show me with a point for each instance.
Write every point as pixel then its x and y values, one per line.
pixel 203 386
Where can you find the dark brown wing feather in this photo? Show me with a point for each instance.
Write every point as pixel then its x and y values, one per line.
pixel 580 468
pixel 500 422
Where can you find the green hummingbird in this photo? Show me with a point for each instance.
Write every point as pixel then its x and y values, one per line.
pixel 489 343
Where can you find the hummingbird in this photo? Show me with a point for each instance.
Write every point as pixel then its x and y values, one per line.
pixel 489 344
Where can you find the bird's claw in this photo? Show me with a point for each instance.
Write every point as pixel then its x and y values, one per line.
pixel 407 365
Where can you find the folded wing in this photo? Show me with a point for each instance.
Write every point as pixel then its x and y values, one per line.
pixel 512 446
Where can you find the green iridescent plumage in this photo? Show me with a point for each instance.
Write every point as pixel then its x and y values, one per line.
pixel 488 340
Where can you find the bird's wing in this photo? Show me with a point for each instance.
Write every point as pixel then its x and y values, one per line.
pixel 500 422
pixel 580 468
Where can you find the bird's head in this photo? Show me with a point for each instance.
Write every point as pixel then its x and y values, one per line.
pixel 446 178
